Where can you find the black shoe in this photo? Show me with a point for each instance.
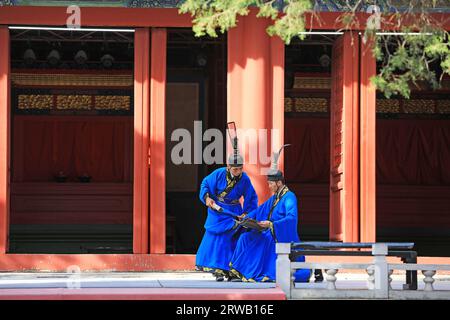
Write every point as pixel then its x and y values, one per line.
pixel 219 278
pixel 318 275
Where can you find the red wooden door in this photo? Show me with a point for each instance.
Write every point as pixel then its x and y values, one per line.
pixel 344 140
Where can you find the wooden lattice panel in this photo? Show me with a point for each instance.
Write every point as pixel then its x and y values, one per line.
pixel 443 106
pixel 72 80
pixel 311 105
pixel 73 102
pixel 288 105
pixel 112 102
pixel 35 101
pixel 388 106
pixel 419 106
pixel 312 83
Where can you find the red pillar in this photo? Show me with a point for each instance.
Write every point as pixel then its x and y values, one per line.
pixel 255 86
pixel 5 74
pixel 344 143
pixel 141 140
pixel 277 48
pixel 368 145
pixel 158 141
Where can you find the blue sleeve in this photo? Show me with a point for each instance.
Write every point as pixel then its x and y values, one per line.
pixel 207 186
pixel 286 228
pixel 259 211
pixel 250 198
pixel 254 213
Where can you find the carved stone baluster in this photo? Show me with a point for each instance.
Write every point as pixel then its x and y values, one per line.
pixel 331 278
pixel 371 280
pixel 390 278
pixel 428 279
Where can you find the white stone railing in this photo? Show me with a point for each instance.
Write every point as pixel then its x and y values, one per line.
pixel 378 285
pixel 428 291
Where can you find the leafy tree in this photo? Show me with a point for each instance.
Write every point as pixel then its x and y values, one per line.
pixel 418 52
pixel 6 3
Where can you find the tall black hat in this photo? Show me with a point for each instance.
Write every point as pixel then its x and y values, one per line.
pixel 274 174
pixel 234 159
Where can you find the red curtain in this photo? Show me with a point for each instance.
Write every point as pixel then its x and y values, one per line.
pixel 97 146
pixel 413 152
pixel 308 157
pixel 408 151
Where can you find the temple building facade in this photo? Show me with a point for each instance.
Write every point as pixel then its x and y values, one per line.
pixel 87 116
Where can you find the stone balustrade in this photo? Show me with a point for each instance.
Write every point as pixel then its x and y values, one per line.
pixel 379 278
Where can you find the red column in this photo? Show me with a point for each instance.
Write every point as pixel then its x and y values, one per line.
pixel 277 65
pixel 4 136
pixel 158 141
pixel 367 148
pixel 344 142
pixel 141 140
pixel 255 86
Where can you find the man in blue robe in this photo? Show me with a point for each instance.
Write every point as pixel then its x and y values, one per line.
pixel 223 187
pixel 254 258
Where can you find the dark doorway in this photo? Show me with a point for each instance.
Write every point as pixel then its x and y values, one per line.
pixel 71 141
pixel 196 92
pixel 307 129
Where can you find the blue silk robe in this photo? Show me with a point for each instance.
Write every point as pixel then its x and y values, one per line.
pixel 254 258
pixel 219 240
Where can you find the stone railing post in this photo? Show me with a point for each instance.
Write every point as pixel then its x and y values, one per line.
pixel 331 279
pixel 371 279
pixel 428 279
pixel 379 252
pixel 390 278
pixel 283 268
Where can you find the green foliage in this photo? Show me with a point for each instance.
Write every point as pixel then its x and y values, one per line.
pixel 212 16
pixel 405 60
pixel 291 23
pixel 208 16
pixel 411 59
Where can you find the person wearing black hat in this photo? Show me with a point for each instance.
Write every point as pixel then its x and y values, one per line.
pixel 220 192
pixel 274 221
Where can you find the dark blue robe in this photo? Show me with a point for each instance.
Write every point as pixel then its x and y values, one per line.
pixel 219 241
pixel 254 258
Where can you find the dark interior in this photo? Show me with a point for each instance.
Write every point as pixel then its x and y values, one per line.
pixel 72 142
